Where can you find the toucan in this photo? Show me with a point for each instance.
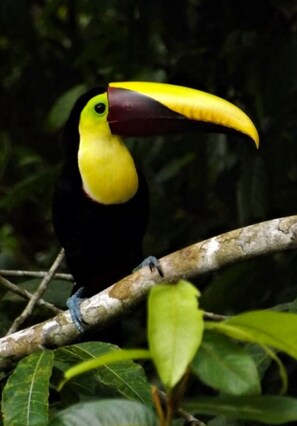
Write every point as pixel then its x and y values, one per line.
pixel 101 200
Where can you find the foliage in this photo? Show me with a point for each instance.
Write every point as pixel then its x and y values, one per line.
pixel 25 397
pixel 121 388
pixel 200 185
pixel 174 323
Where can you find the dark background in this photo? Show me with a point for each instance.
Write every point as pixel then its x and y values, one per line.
pixel 201 185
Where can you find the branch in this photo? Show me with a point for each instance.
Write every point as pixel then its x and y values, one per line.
pixel 206 256
pixel 25 294
pixel 158 394
pixel 191 420
pixel 37 295
pixel 34 274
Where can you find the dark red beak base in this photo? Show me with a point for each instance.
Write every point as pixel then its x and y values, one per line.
pixel 134 114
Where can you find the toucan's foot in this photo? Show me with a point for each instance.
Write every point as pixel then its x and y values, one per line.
pixel 73 304
pixel 153 263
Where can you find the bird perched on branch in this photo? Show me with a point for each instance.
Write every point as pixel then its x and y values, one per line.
pixel 101 206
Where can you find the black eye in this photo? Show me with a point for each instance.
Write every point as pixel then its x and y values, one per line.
pixel 100 108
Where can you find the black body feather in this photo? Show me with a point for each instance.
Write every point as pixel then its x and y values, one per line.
pixel 102 243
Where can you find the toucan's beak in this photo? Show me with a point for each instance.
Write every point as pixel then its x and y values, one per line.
pixel 142 109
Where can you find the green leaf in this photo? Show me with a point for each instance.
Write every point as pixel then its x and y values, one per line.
pixel 25 395
pixel 106 359
pixel 62 107
pixel 175 327
pixel 266 409
pixel 109 412
pixel 125 378
pixel 260 357
pixel 225 366
pixel 282 370
pixel 276 329
pixel 224 421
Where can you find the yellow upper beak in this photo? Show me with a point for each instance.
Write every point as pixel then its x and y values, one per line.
pixel 141 108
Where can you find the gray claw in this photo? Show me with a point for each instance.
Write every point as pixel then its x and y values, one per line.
pixel 73 304
pixel 152 262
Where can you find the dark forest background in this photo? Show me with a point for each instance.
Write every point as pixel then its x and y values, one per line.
pixel 201 185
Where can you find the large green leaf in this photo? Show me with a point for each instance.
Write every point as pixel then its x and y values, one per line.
pixel 109 412
pixel 225 366
pixel 124 378
pixel 25 395
pixel 175 327
pixel 276 329
pixel 273 410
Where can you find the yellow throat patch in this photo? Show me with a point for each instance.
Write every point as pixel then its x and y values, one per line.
pixel 106 167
